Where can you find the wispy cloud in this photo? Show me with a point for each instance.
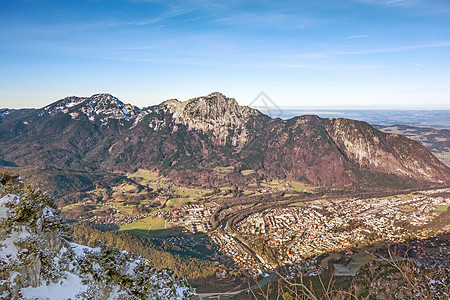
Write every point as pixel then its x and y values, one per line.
pixel 394 49
pixel 401 3
pixel 276 20
pixel 171 13
pixel 398 3
pixel 361 36
pixel 363 67
pixel 428 7
pixel 304 55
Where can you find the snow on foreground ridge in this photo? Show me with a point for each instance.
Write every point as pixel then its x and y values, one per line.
pixel 39 261
pixel 76 285
pixel 69 288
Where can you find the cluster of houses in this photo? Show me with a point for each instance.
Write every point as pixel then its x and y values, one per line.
pixel 238 256
pixel 115 221
pixel 298 233
pixel 194 218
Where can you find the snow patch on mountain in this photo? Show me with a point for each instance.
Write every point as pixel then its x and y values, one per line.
pixel 4 112
pixel 142 114
pixel 101 107
pixel 214 113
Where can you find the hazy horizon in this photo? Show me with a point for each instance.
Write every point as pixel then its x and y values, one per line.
pixel 248 102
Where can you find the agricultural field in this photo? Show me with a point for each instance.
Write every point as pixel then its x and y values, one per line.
pixel 145 175
pixel 227 169
pixel 297 204
pixel 149 226
pixel 442 208
pixel 407 208
pixel 285 185
pixel 247 172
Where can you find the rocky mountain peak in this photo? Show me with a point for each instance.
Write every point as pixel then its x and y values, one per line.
pixel 100 107
pixel 214 106
pixel 215 113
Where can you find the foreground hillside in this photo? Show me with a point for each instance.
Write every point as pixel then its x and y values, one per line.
pixel 39 261
pixel 79 143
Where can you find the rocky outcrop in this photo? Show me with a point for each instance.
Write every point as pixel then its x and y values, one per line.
pixel 216 114
pixel 31 236
pixel 340 152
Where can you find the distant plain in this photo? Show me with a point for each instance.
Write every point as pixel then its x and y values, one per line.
pixel 438 119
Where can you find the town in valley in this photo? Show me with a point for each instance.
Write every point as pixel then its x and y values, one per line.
pixel 301 236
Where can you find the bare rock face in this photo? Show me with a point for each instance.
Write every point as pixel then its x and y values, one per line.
pixel 215 113
pixel 435 140
pixel 388 153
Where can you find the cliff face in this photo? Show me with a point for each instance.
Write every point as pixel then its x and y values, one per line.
pixel 387 153
pixel 78 142
pixel 222 116
pixel 38 260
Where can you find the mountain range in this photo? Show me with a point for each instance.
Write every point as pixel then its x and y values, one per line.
pixel 78 143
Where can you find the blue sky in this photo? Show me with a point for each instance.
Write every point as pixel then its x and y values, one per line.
pixel 348 53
